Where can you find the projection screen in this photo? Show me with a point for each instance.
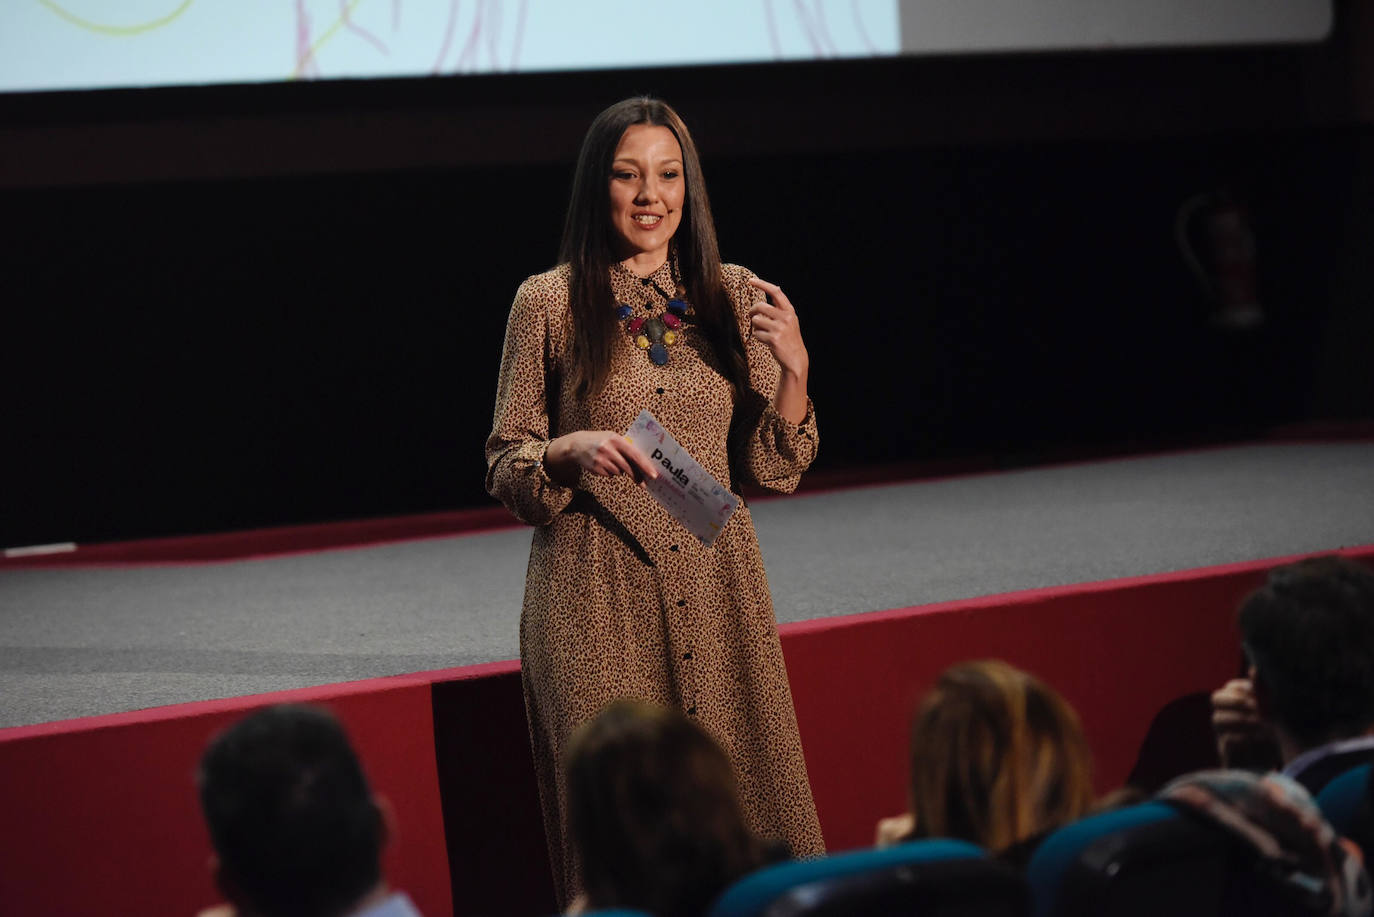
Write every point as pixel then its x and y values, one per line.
pixel 93 44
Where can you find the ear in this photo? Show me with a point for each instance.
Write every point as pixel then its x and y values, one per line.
pixel 386 816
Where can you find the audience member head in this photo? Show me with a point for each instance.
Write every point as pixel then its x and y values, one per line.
pixel 653 812
pixel 295 828
pixel 997 757
pixel 1309 636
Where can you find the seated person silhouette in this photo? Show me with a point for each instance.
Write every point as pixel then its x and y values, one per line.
pixel 295 828
pixel 1306 705
pixel 997 758
pixel 654 814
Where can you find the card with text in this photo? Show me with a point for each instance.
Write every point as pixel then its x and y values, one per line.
pixel 694 498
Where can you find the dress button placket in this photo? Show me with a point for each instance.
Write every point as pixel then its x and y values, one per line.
pixel 687 656
pixel 675 566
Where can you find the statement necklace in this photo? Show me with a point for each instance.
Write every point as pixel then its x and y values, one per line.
pixel 652 333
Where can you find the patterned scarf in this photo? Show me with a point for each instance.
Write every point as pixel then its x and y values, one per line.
pixel 1277 818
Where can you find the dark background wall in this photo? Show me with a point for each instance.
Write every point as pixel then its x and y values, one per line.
pixel 242 306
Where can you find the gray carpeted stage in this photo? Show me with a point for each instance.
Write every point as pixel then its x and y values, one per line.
pixel 76 642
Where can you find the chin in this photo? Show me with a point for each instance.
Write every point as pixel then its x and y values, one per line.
pixel 644 246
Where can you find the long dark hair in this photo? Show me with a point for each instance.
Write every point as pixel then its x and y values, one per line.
pixel 654 814
pixel 588 247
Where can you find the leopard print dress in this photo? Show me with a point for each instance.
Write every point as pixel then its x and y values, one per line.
pixel 620 599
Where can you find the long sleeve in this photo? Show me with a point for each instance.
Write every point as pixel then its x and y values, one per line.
pixel 767 448
pixel 520 430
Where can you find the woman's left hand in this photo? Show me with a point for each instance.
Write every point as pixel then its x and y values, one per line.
pixel 774 324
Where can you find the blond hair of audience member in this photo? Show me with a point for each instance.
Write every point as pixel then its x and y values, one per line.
pixel 997 758
pixel 654 814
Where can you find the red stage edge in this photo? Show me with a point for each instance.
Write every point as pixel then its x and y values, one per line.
pixel 101 812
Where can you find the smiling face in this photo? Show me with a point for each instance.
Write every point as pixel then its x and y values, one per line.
pixel 647 191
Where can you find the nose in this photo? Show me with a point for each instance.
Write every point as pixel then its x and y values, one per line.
pixel 648 190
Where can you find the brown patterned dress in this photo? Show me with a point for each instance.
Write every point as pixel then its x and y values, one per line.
pixel 620 599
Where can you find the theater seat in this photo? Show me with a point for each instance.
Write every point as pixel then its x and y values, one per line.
pixel 920 877
pixel 1148 859
pixel 1343 802
pixel 937 888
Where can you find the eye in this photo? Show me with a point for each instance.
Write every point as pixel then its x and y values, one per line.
pixel 622 174
pixel 670 174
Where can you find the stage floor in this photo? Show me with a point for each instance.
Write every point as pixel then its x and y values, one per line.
pixel 79 641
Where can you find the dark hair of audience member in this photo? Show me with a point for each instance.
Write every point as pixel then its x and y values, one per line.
pixel 290 814
pixel 1309 632
pixel 997 758
pixel 654 813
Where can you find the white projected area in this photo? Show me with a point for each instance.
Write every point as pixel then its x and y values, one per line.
pixel 83 44
pixel 59 44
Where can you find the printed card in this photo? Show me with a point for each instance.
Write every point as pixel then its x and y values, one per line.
pixel 701 503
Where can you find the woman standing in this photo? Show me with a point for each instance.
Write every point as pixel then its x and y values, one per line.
pixel 620 599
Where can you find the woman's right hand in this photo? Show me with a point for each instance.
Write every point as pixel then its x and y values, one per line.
pixel 601 452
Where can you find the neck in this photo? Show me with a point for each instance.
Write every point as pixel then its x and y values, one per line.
pixel 242 908
pixel 644 263
pixel 1289 747
pixel 373 898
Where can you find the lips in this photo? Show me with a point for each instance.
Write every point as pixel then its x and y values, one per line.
pixel 646 219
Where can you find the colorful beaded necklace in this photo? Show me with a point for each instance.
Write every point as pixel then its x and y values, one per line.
pixel 652 333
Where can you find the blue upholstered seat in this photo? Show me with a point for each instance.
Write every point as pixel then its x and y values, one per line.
pixel 1144 859
pixel 982 887
pixel 818 886
pixel 1342 800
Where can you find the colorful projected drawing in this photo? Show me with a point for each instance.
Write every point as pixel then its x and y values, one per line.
pixel 107 28
pixel 76 44
pixel 60 44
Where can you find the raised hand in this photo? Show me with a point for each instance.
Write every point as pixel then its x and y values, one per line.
pixel 1242 734
pixel 774 324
